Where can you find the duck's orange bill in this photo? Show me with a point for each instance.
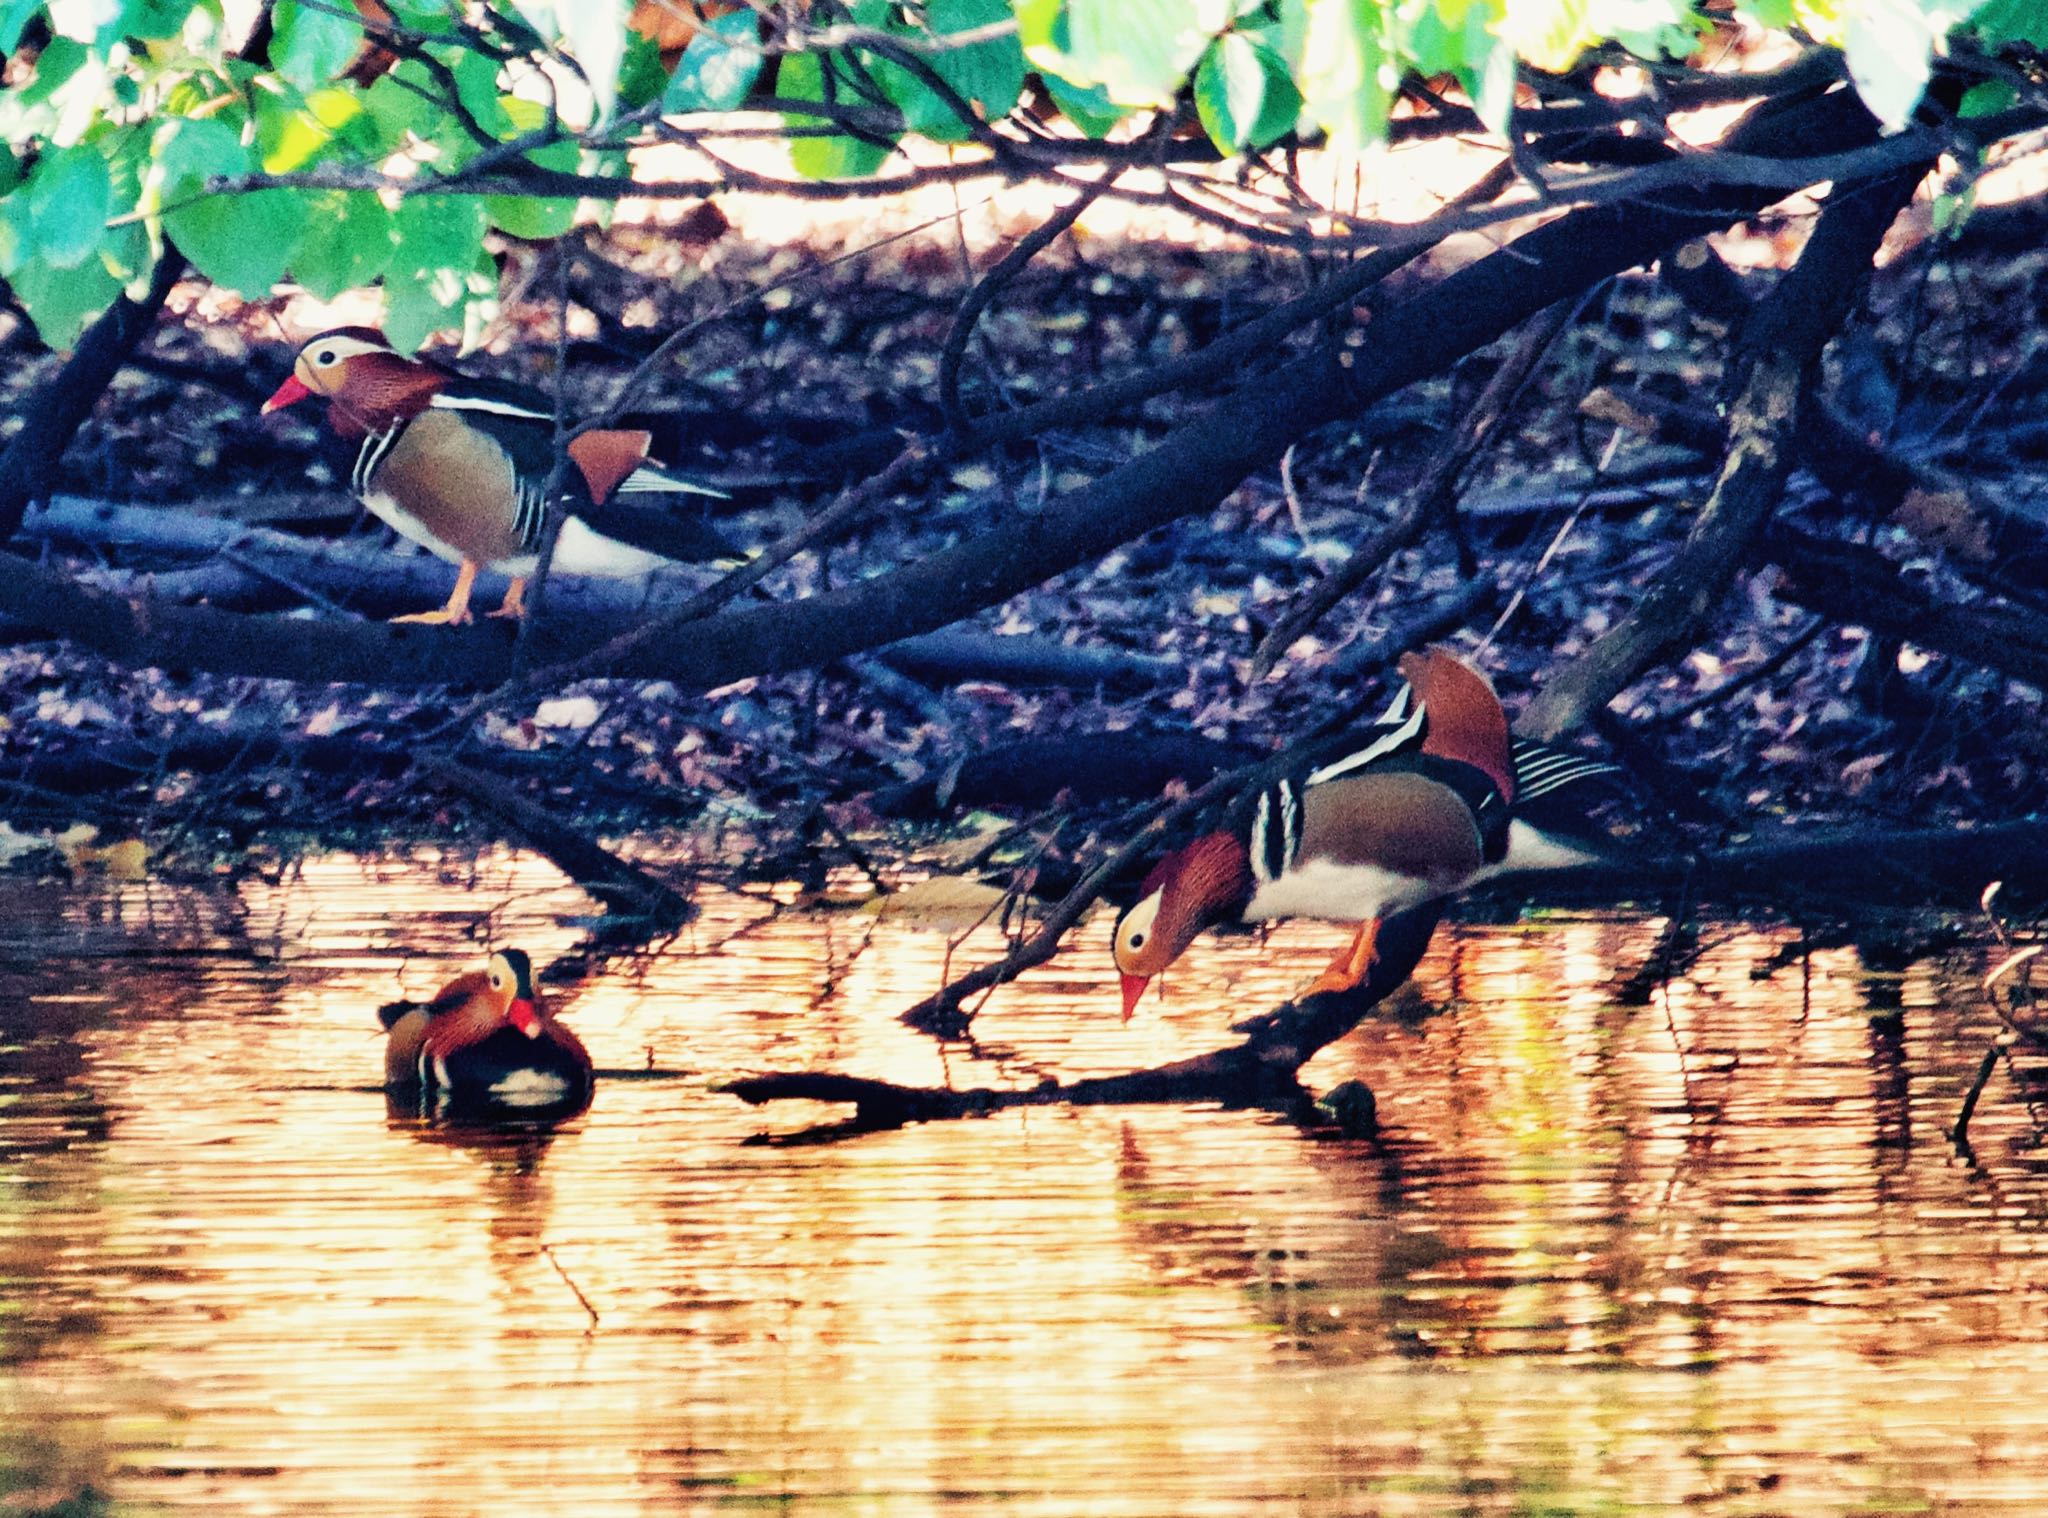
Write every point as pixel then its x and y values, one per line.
pixel 1134 987
pixel 289 393
pixel 524 1016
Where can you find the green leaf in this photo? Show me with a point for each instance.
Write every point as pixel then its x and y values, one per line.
pixel 289 134
pixel 68 202
pixel 1987 99
pixel 535 217
pixel 395 110
pixel 354 246
pixel 835 155
pixel 1348 74
pixel 241 241
pixel 62 301
pixel 642 76
pixel 310 47
pixel 1243 94
pixel 2013 21
pixel 991 73
pixel 416 307
pixel 14 234
pixel 719 66
pixel 438 232
pixel 1088 108
pixel 1139 51
pixel 476 86
pixel 10 169
pixel 1770 15
pixel 15 15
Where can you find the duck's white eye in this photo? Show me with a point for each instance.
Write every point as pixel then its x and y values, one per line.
pixel 1137 940
pixel 325 357
pixel 497 981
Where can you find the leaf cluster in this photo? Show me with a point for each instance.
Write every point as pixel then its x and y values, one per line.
pixel 343 145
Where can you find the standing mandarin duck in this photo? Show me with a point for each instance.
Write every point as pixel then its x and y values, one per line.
pixel 486 1043
pixel 460 466
pixel 1419 808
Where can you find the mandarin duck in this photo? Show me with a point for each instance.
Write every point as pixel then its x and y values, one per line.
pixel 486 1043
pixel 1413 809
pixel 460 466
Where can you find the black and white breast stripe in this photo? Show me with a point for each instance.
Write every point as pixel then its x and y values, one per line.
pixel 371 454
pixel 1276 831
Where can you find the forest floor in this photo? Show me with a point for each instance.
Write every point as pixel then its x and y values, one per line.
pixel 1780 716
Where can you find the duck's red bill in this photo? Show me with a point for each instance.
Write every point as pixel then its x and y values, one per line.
pixel 289 393
pixel 1134 988
pixel 524 1016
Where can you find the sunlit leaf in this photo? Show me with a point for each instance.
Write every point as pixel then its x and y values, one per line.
pixel 1139 51
pixel 1243 94
pixel 83 20
pixel 290 134
pixel 1348 74
pixel 535 217
pixel 719 66
pixel 836 155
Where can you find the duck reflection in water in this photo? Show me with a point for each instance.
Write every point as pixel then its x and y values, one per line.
pixel 485 1050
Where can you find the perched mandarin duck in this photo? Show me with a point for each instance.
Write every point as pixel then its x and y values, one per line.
pixel 460 466
pixel 486 1043
pixel 1419 809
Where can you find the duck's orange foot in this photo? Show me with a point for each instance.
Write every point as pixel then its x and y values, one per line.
pixel 514 605
pixel 440 617
pixel 1353 964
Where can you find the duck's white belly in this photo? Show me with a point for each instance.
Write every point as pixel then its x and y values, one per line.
pixel 583 550
pixel 1337 893
pixel 387 510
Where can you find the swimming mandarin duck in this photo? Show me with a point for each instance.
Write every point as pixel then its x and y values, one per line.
pixel 460 466
pixel 486 1041
pixel 1421 808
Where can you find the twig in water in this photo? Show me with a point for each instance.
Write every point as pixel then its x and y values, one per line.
pixel 570 1282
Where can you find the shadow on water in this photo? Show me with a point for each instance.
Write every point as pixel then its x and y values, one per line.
pixel 1706 1249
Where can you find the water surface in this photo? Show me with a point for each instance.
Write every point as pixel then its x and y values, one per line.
pixel 1712 1254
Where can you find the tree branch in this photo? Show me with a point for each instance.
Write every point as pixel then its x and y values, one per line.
pixel 1784 339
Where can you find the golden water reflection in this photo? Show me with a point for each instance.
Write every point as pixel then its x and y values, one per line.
pixel 1713 1252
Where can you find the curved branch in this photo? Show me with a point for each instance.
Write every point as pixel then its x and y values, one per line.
pixel 1784 339
pixel 1196 466
pixel 991 284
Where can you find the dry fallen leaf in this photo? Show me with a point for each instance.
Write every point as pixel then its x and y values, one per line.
pixel 951 902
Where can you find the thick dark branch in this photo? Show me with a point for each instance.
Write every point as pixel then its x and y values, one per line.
pixel 991 284
pixel 1849 583
pixel 1193 469
pixel 1784 340
pixel 30 462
